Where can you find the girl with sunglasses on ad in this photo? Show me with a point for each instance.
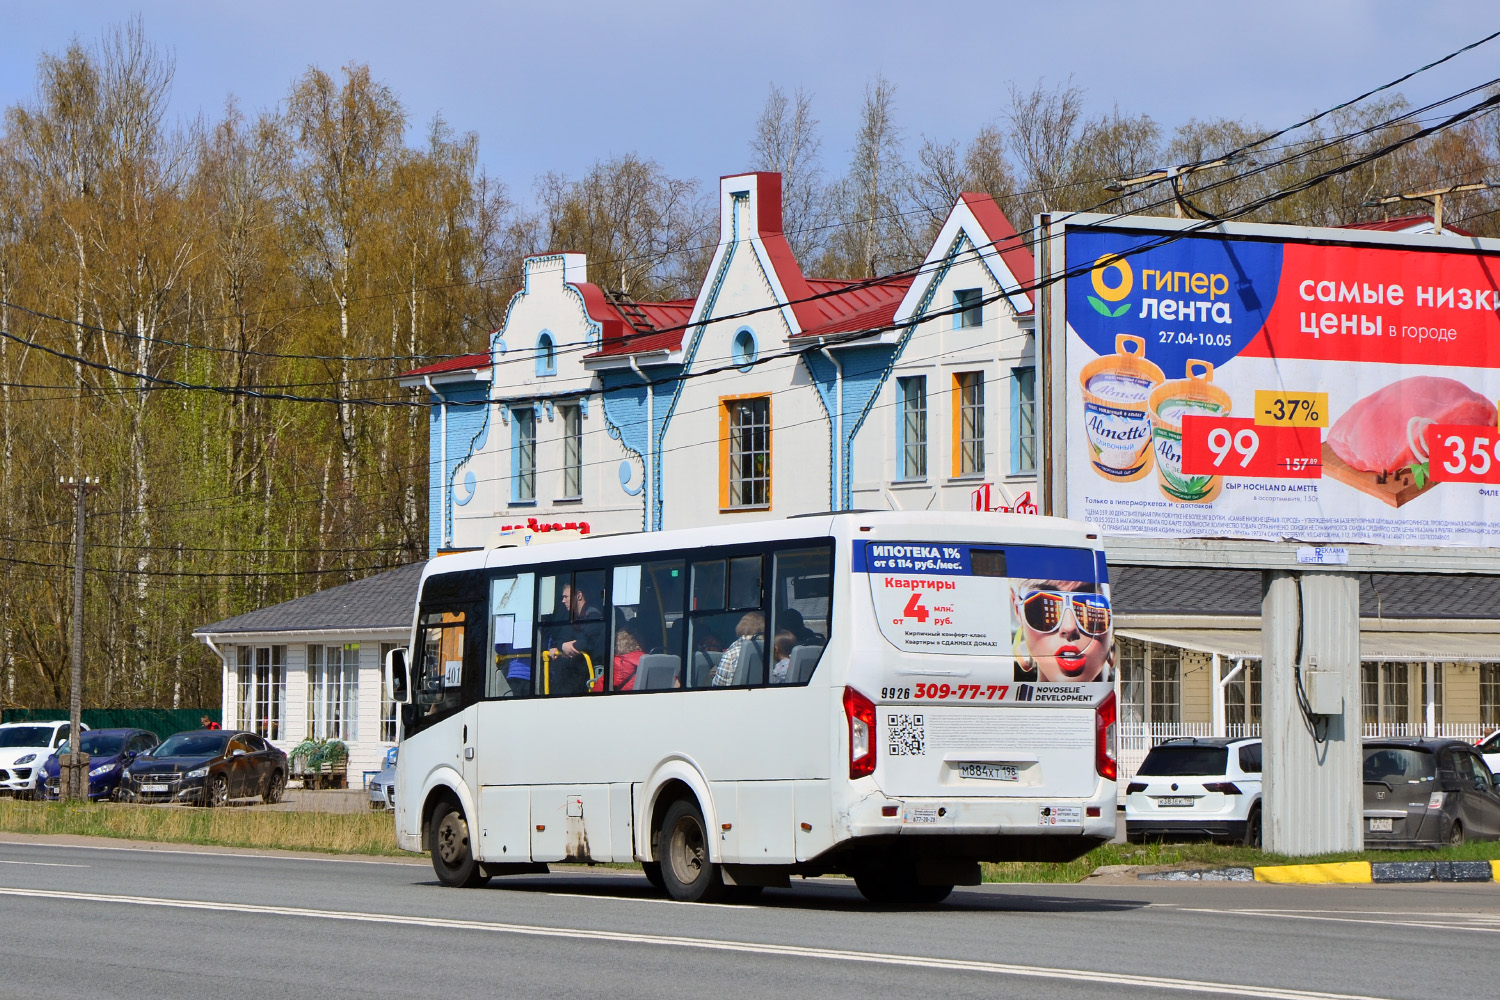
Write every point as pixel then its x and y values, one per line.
pixel 1064 631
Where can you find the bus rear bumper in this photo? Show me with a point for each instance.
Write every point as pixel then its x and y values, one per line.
pixel 1091 819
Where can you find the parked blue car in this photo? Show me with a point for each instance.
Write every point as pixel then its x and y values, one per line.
pixel 109 751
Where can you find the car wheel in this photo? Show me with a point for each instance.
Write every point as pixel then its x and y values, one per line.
pixel 1252 829
pixel 276 788
pixel 218 790
pixel 1456 835
pixel 687 872
pixel 452 852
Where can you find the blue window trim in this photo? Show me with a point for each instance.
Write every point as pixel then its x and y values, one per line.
pixel 963 310
pixel 546 353
pixel 1016 375
pixel 744 355
pixel 515 453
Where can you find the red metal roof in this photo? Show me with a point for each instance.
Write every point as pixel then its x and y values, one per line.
pixel 464 362
pixel 998 228
pixel 649 327
pixel 847 306
pixel 1402 223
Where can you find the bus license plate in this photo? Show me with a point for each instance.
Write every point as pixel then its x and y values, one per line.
pixel 153 788
pixel 1380 824
pixel 1169 800
pixel 989 772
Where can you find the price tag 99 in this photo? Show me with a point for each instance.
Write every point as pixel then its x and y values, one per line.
pixel 1463 453
pixel 1237 447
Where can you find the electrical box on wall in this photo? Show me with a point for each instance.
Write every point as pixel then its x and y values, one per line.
pixel 1325 691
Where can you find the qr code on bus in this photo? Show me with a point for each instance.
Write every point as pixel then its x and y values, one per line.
pixel 908 736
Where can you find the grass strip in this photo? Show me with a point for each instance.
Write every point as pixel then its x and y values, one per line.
pixel 331 833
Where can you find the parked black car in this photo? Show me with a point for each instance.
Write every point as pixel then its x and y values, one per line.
pixel 206 766
pixel 1428 793
pixel 110 752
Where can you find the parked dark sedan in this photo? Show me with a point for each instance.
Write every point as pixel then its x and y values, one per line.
pixel 1428 793
pixel 207 766
pixel 110 751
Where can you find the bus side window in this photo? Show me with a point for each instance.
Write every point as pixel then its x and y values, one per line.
pixel 572 633
pixel 647 647
pixel 801 612
pixel 511 623
pixel 440 680
pixel 727 626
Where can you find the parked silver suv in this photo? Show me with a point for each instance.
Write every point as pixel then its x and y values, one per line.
pixel 1194 788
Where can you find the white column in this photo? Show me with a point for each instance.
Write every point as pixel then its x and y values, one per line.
pixel 1220 724
pixel 1314 798
pixel 1429 720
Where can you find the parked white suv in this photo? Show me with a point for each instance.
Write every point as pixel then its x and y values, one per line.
pixel 1489 749
pixel 1197 788
pixel 24 748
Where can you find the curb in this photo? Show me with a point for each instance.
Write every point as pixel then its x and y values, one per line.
pixel 1383 872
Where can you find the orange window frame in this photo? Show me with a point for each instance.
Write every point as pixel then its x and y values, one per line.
pixel 725 432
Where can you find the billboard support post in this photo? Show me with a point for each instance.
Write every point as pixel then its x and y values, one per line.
pixel 1313 791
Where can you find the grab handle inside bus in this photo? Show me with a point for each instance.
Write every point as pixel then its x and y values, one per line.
pixel 396 675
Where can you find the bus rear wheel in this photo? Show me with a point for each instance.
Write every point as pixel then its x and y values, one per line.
pixel 688 874
pixel 452 853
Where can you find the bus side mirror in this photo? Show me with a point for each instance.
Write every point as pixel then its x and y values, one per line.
pixel 396 676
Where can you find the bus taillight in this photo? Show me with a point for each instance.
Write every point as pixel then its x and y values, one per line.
pixel 1104 738
pixel 861 714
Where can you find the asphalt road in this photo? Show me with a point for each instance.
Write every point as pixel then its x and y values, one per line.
pixel 82 922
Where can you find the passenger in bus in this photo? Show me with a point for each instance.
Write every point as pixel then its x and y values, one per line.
pixel 791 620
pixel 751 630
pixel 573 646
pixel 628 655
pixel 1064 631
pixel 781 653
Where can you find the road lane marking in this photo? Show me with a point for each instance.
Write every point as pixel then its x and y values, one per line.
pixel 44 864
pixel 1090 976
pixel 1441 923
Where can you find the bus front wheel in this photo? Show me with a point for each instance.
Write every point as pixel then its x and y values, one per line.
pixel 452 853
pixel 682 844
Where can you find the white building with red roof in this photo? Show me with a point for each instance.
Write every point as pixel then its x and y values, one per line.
pixel 769 394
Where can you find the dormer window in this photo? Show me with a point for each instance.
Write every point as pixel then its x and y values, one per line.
pixel 969 310
pixel 546 355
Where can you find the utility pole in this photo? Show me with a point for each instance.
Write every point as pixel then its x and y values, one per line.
pixel 1175 175
pixel 74 773
pixel 1433 197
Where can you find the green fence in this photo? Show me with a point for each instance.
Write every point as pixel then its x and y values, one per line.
pixel 161 721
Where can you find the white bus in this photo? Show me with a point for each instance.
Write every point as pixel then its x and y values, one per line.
pixel 893 696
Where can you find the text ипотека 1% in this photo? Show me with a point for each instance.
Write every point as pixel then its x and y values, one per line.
pixel 1237 447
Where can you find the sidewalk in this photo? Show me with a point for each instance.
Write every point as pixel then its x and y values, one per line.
pixel 323 800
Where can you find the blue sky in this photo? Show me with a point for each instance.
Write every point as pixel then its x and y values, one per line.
pixel 556 86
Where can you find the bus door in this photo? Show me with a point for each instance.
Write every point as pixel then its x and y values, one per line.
pixel 996 658
pixel 448 685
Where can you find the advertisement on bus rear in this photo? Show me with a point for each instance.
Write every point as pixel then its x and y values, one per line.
pixel 1040 615
pixel 1224 386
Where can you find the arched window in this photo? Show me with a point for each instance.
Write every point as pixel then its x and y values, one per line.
pixel 546 355
pixel 746 350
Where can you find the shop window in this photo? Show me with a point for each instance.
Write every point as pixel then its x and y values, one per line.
pixel 333 691
pixel 262 690
pixel 387 706
pixel 1489 694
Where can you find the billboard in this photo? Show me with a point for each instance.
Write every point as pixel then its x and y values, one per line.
pixel 1250 386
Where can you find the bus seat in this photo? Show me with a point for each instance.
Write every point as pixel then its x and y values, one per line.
pixel 753 658
pixel 656 671
pixel 704 665
pixel 804 659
